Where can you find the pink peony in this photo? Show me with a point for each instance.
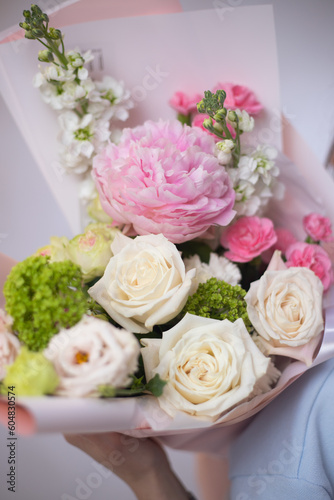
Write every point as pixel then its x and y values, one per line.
pixel 318 227
pixel 284 239
pixel 184 104
pixel 239 97
pixel 248 238
pixel 163 178
pixel 313 257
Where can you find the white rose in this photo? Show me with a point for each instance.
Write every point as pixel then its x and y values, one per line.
pixel 218 267
pixel 91 353
pixel 210 366
pixel 144 284
pixel 285 307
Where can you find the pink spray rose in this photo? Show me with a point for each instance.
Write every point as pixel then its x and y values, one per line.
pixel 163 178
pixel 313 257
pixel 239 97
pixel 184 104
pixel 318 227
pixel 248 238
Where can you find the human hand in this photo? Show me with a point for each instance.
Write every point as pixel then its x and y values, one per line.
pixel 141 463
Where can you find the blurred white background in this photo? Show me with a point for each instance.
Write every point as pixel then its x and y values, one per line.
pixel 48 468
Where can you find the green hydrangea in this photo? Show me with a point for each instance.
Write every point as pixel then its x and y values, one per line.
pixel 219 300
pixel 31 374
pixel 42 297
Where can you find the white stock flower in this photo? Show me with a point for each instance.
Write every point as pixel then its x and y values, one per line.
pixel 260 163
pixel 218 267
pixel 210 366
pixel 246 122
pixel 285 307
pixel 223 151
pixel 110 99
pixel 144 284
pixel 255 181
pixel 80 138
pixel 92 353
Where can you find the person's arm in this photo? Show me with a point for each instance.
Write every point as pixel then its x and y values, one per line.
pixel 141 463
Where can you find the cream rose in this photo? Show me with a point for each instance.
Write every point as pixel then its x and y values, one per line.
pixel 144 284
pixel 210 366
pixel 285 306
pixel 91 353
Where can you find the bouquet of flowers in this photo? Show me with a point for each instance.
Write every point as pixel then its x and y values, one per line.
pixel 181 291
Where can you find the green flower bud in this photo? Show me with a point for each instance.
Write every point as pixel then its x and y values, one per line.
pixel 36 22
pixel 45 56
pixel 232 116
pixel 29 35
pixel 201 107
pixel 55 34
pixel 25 26
pixel 35 9
pixel 37 33
pixel 207 123
pixel 218 127
pixel 27 14
pixel 31 374
pixel 220 115
pixel 45 17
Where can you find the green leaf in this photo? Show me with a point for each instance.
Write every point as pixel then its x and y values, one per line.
pixel 156 386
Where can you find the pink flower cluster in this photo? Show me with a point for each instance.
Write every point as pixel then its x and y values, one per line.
pixel 250 237
pixel 304 254
pixel 163 178
pixel 312 256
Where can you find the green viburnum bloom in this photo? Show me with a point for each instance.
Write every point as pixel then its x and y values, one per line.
pixel 218 300
pixel 31 374
pixel 42 297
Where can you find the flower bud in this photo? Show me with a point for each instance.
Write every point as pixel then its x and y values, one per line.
pixel 218 127
pixel 36 22
pixel 232 116
pixel 45 56
pixel 27 14
pixel 45 17
pixel 55 34
pixel 29 35
pixel 35 9
pixel 207 123
pixel 220 115
pixel 201 107
pixel 37 33
pixel 24 26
